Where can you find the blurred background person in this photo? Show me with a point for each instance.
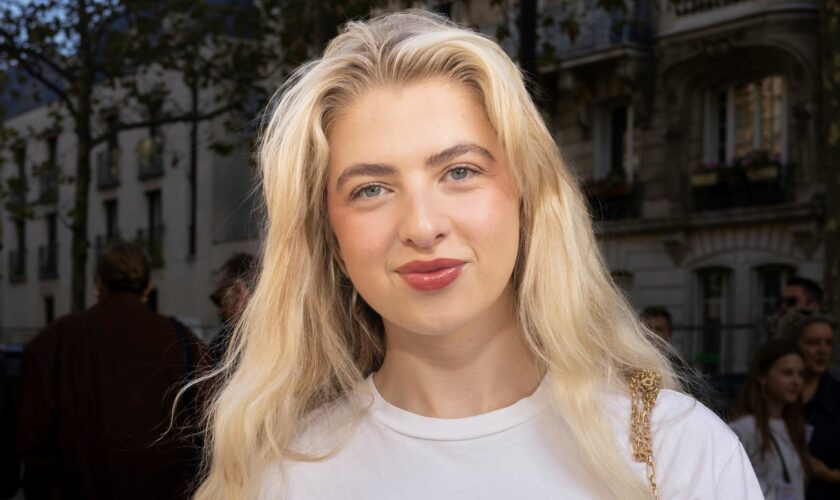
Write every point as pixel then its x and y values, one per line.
pixel 9 464
pixel 97 391
pixel 233 289
pixel 814 337
pixel 770 420
pixel 801 294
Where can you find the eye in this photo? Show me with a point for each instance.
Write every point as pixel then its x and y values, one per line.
pixel 460 173
pixel 369 191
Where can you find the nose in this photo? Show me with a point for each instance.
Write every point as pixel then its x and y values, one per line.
pixel 424 221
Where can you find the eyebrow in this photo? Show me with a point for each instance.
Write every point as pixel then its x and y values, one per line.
pixel 382 169
pixel 457 150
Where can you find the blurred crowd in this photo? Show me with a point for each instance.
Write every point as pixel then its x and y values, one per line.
pixel 787 412
pixel 108 399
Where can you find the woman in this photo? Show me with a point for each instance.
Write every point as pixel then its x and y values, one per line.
pixel 814 336
pixel 770 422
pixel 433 318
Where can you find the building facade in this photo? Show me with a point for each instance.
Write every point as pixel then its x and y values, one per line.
pixel 140 191
pixel 692 127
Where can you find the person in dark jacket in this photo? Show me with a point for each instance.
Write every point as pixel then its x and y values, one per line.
pixel 96 395
pixel 814 336
pixel 9 464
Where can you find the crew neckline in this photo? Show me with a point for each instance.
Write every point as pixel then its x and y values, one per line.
pixel 457 429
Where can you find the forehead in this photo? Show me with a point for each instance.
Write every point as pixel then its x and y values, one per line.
pixel 788 360
pixel 390 124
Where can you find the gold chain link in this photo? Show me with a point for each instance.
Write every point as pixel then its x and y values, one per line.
pixel 644 386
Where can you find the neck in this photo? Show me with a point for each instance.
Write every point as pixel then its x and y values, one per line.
pixel 810 382
pixel 479 368
pixel 774 409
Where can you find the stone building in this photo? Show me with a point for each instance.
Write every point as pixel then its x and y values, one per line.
pixel 691 124
pixel 140 191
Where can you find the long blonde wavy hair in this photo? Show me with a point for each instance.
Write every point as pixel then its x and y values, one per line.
pixel 306 339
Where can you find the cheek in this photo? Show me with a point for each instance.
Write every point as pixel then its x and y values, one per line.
pixel 361 237
pixel 493 221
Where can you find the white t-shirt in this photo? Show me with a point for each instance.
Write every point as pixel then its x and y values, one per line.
pixel 520 451
pixel 768 466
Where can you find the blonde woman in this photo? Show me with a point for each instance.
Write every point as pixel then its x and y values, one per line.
pixel 433 318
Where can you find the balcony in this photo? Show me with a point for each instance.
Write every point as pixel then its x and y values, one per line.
pixel 759 182
pixel 17 266
pixel 598 29
pixel 152 243
pixel 48 186
pixel 107 169
pixel 48 261
pixel 685 7
pixel 683 16
pixel 150 158
pixel 612 198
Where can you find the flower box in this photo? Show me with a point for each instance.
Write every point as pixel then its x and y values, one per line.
pixel 704 179
pixel 765 173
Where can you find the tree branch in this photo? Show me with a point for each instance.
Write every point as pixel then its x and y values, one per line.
pixel 46 82
pixel 168 120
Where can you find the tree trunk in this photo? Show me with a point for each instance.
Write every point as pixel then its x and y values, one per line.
pixel 193 175
pixel 528 39
pixel 79 224
pixel 830 150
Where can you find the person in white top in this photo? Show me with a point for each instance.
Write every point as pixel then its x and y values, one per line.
pixel 433 318
pixel 771 423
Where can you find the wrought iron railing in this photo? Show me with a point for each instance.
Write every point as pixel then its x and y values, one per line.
pixel 48 261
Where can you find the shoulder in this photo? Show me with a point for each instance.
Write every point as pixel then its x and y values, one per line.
pixel 695 452
pixel 743 426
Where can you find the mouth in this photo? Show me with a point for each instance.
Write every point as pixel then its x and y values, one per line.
pixel 430 275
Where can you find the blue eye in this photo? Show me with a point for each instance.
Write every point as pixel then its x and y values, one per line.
pixel 459 173
pixel 371 191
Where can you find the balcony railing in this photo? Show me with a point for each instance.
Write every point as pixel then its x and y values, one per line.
pixel 152 243
pixel 107 169
pixel 734 187
pixel 598 28
pixel 612 199
pixel 150 158
pixel 17 265
pixel 48 261
pixel 48 184
pixel 686 7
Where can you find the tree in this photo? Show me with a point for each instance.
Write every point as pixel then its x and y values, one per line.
pixel 830 147
pixel 83 57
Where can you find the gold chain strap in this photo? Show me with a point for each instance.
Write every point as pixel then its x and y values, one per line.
pixel 644 387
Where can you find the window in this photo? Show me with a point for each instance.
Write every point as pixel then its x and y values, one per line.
pixel 49 175
pixel 153 238
pixel 150 155
pixel 745 117
pixel 771 280
pixel 48 254
pixel 19 159
pixel 49 309
pixel 616 142
pixel 714 312
pixel 111 221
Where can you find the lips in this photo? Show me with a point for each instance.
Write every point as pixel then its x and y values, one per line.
pixel 430 275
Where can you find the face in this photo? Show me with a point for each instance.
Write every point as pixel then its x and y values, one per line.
pixel 794 297
pixel 783 381
pixel 817 346
pixel 423 206
pixel 659 325
pixel 230 296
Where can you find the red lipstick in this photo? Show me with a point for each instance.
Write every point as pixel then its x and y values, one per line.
pixel 430 275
